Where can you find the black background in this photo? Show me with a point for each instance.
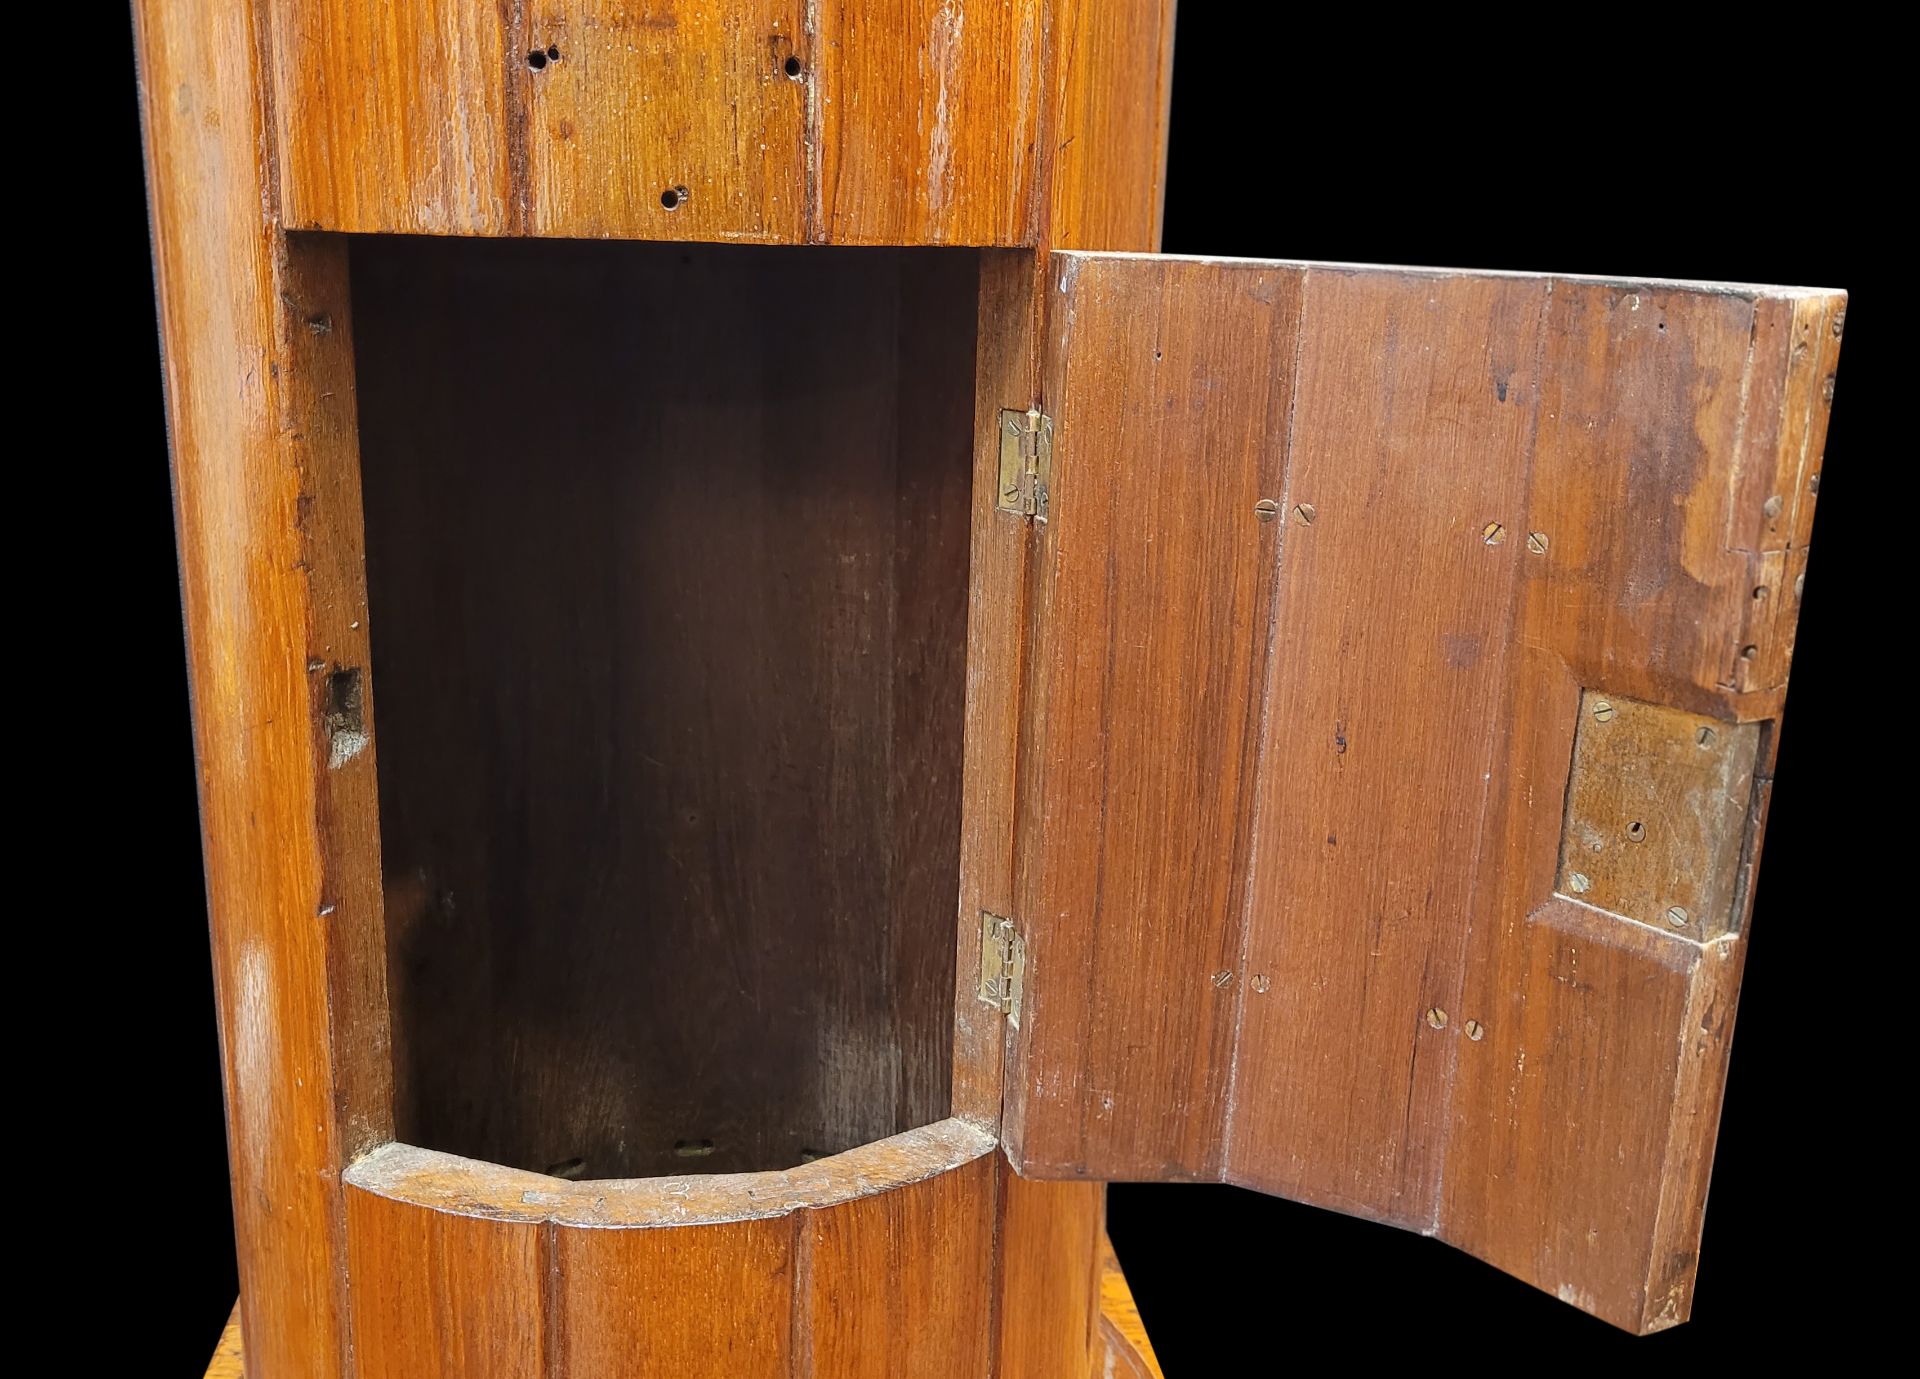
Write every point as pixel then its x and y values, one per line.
pixel 1594 155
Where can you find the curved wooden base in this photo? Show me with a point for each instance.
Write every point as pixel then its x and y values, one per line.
pixel 1122 1347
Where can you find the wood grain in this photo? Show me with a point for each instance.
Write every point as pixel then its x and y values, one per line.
pixel 926 120
pixel 445 1293
pixel 668 560
pixel 1151 610
pixel 920 1254
pixel 902 122
pixel 260 404
pixel 687 102
pixel 393 117
pixel 1288 876
pixel 1106 149
pixel 699 1269
pixel 1052 1249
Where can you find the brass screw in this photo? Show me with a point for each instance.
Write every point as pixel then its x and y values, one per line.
pixel 1436 1017
pixel 1493 533
pixel 1637 831
pixel 1677 916
pixel 1839 322
pixel 1261 983
pixel 1222 979
pixel 1603 710
pixel 1578 880
pixel 1537 542
pixel 1266 509
pixel 1826 390
pixel 1305 513
pixel 1476 1031
pixel 1813 483
pixel 1799 585
pixel 1705 737
pixel 1772 507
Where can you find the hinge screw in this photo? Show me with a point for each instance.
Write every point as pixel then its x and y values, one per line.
pixel 1493 533
pixel 1222 979
pixel 1266 509
pixel 1603 711
pixel 1677 917
pixel 1578 880
pixel 1476 1031
pixel 1305 513
pixel 1705 737
pixel 1436 1017
pixel 1772 507
pixel 1537 542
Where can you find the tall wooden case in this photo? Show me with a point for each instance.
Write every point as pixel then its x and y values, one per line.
pixel 775 704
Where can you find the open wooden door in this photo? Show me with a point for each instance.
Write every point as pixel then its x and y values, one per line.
pixel 1407 648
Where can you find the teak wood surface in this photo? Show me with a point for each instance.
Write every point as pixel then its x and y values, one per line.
pixel 620 693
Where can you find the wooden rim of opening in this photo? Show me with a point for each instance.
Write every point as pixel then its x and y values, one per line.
pixel 436 1181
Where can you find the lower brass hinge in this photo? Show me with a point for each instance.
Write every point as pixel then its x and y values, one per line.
pixel 1026 462
pixel 1003 965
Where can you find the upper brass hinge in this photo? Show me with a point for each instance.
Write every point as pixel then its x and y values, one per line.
pixel 1026 461
pixel 1003 965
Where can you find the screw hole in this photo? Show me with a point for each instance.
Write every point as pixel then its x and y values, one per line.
pixel 537 60
pixel 1759 592
pixel 792 67
pixel 673 198
pixel 553 52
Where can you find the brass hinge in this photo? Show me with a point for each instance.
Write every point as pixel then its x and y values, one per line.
pixel 1026 461
pixel 1003 965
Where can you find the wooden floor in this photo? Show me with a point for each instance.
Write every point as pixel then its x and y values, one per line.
pixel 1128 1354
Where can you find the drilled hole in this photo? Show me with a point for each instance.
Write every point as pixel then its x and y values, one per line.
pixel 792 67
pixel 537 60
pixel 1759 592
pixel 553 52
pixel 673 198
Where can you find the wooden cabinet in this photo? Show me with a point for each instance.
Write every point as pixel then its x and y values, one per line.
pixel 776 704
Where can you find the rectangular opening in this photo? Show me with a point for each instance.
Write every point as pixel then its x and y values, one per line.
pixel 667 555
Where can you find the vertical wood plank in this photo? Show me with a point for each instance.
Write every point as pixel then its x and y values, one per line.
pixel 1111 80
pixel 445 1296
pixel 901 1282
pixel 1583 1118
pixel 259 382
pixel 1412 425
pixel 699 1302
pixel 1007 375
pixel 1052 1246
pixel 1152 615
pixel 688 103
pixel 393 117
pixel 925 118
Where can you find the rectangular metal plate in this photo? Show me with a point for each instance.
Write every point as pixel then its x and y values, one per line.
pixel 1657 814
